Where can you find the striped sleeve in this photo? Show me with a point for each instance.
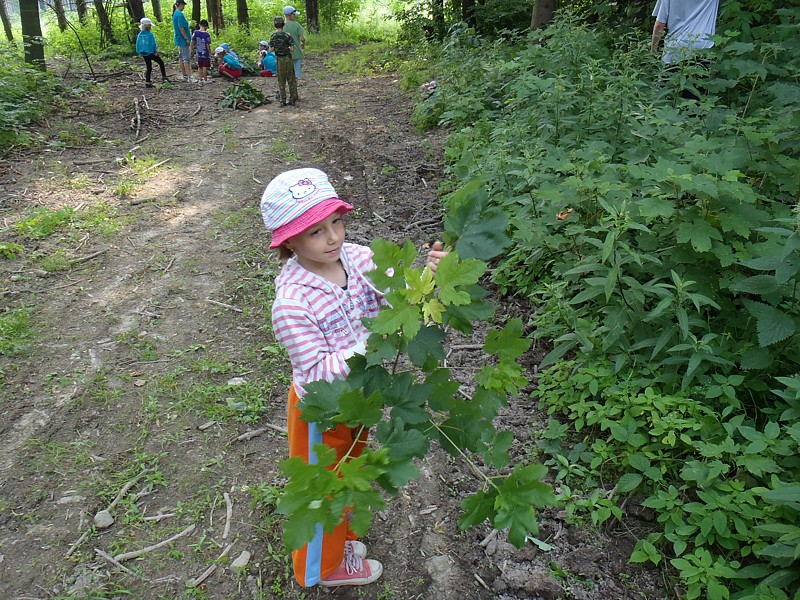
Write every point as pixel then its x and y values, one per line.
pixel 296 328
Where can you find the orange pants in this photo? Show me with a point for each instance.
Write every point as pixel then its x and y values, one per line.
pixel 322 555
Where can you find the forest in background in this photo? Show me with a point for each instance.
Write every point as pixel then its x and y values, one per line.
pixel 656 238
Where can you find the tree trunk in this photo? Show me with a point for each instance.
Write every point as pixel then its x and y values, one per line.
pixel 214 8
pixel 242 15
pixel 61 19
pixel 135 10
pixel 5 20
pixel 157 10
pixel 437 7
pixel 543 11
pixel 312 15
pixel 32 33
pixel 468 13
pixel 106 31
pixel 83 12
pixel 196 10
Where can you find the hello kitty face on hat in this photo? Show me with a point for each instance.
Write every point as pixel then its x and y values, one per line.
pixel 302 189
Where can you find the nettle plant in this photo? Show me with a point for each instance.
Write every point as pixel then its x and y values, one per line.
pixel 403 393
pixel 660 240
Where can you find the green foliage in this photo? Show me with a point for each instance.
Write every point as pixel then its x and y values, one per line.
pixel 242 95
pixel 42 222
pixel 25 96
pixel 659 239
pixel 15 331
pixel 400 389
pixel 9 250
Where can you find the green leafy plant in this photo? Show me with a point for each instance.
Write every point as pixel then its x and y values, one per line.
pixel 401 390
pixel 15 330
pixel 242 96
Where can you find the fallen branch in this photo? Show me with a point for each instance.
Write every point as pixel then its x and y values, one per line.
pixel 429 221
pixel 125 489
pixel 209 571
pixel 228 515
pixel 138 118
pixel 155 166
pixel 256 432
pixel 138 553
pixel 196 112
pixel 223 305
pixel 77 543
pixel 83 259
pixel 116 563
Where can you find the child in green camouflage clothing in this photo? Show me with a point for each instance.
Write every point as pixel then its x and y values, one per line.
pixel 283 45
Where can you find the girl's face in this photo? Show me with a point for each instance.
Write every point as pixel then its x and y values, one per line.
pixel 320 246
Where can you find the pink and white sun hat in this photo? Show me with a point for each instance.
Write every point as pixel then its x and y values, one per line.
pixel 297 199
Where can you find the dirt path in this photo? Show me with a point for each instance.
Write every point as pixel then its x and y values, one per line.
pixel 153 352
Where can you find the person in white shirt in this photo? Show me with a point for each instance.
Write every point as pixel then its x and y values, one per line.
pixel 689 25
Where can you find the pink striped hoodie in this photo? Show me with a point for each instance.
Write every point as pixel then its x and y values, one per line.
pixel 318 322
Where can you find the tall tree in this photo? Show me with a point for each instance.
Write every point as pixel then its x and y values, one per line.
pixel 61 19
pixel 312 15
pixel 32 33
pixel 196 10
pixel 157 10
pixel 242 14
pixel 135 10
pixel 214 8
pixel 6 22
pixel 437 8
pixel 468 13
pixel 83 11
pixel 106 31
pixel 543 11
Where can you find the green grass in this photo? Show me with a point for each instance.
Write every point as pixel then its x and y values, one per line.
pixel 15 331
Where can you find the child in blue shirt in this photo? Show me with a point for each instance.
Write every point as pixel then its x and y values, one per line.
pixel 147 49
pixel 267 60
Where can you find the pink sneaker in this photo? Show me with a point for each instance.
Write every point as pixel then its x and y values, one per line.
pixel 354 570
pixel 359 549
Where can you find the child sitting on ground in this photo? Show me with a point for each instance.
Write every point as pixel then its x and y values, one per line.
pixel 266 60
pixel 230 65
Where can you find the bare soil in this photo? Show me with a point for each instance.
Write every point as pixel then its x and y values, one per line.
pixel 153 356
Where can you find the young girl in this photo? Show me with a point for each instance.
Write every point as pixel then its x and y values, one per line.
pixel 182 39
pixel 229 65
pixel 321 295
pixel 147 49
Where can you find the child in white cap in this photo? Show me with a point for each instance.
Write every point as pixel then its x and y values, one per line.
pixel 321 296
pixel 147 49
pixel 266 60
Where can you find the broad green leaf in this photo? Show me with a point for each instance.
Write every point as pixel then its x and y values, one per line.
pixel 390 261
pixel 480 230
pixel 757 284
pixel 476 509
pixel 404 317
pixel 427 344
pixel 453 275
pixel 787 494
pixel 507 342
pixel 497 453
pixel 628 482
pixel 756 358
pixel 419 283
pixel 698 233
pixel 773 324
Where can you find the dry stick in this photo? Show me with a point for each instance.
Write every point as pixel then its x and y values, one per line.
pixel 155 166
pixel 429 221
pixel 466 347
pixel 197 111
pixel 210 570
pixel 118 564
pixel 138 553
pixel 125 489
pixel 256 432
pixel 90 161
pixel 223 305
pixel 74 546
pixel 90 256
pixel 228 515
pixel 138 117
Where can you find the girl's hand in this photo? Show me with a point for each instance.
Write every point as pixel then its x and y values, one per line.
pixel 435 254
